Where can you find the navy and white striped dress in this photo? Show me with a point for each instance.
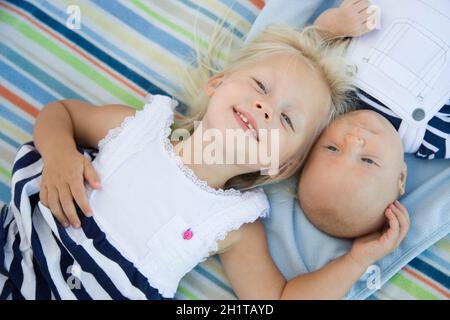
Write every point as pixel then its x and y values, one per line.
pixel 133 247
pixel 436 139
pixel 48 263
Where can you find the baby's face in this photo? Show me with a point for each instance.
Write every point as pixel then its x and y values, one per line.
pixel 355 170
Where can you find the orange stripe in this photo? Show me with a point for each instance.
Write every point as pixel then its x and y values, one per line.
pixel 429 283
pixel 18 101
pixel 74 48
pixel 258 3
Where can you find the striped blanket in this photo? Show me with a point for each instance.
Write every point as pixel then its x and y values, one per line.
pixel 119 51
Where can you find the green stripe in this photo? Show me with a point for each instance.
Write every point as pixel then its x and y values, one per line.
pixel 174 26
pixel 412 288
pixel 6 173
pixel 70 59
pixel 185 292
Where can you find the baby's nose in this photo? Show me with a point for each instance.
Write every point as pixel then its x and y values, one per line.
pixel 353 140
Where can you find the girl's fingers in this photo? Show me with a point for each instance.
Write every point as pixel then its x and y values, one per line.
pixel 55 207
pixel 80 197
pixel 90 174
pixel 43 196
pixel 65 197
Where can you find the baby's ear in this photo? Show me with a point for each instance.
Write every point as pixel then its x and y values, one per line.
pixel 213 83
pixel 402 180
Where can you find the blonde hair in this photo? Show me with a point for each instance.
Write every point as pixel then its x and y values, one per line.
pixel 319 49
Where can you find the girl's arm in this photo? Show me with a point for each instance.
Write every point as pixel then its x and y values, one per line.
pixel 62 124
pixel 59 128
pixel 254 275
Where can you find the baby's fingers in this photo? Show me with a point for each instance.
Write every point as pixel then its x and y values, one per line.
pixel 403 218
pixel 392 233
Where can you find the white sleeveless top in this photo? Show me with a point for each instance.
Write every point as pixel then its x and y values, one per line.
pixel 149 199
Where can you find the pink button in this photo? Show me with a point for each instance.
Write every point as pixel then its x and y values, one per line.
pixel 187 235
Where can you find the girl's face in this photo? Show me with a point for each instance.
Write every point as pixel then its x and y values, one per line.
pixel 280 95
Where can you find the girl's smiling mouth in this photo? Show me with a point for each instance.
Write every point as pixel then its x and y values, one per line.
pixel 246 122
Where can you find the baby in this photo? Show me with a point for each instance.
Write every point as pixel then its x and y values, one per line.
pixel 353 176
pixel 356 171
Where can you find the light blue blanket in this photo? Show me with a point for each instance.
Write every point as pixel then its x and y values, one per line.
pixel 298 247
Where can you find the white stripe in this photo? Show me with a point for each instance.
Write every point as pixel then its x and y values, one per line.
pixel 28 288
pixel 438 132
pixel 90 284
pixel 52 255
pixel 111 268
pixel 377 106
pixel 430 146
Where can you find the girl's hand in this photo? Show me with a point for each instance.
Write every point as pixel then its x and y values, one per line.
pixel 63 181
pixel 368 249
pixel 352 18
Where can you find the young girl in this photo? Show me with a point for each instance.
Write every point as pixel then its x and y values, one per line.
pixel 155 217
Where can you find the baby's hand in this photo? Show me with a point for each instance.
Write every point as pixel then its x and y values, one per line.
pixel 368 249
pixel 62 182
pixel 352 19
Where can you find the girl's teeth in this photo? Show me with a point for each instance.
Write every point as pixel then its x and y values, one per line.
pixel 250 126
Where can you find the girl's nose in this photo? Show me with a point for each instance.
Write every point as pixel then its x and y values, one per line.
pixel 265 108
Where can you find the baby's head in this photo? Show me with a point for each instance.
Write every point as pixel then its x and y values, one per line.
pixel 354 171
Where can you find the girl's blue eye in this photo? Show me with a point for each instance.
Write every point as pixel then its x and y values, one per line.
pixel 288 120
pixel 368 161
pixel 332 148
pixel 261 86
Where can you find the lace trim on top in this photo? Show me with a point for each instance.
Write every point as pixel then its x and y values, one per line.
pixel 188 172
pixel 114 132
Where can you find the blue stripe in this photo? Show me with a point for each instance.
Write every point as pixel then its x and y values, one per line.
pixel 65 262
pixel 42 290
pixel 25 84
pixel 41 263
pixel 445 109
pixel 88 264
pixel 431 272
pixel 15 119
pixel 240 9
pixel 15 269
pixel 9 141
pixel 436 141
pixel 5 192
pixel 103 246
pixel 213 278
pixel 26 160
pixel 101 42
pixel 18 187
pixel 212 16
pixel 38 74
pixel 440 125
pixel 437 259
pixel 376 106
pixel 88 47
pixel 145 28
